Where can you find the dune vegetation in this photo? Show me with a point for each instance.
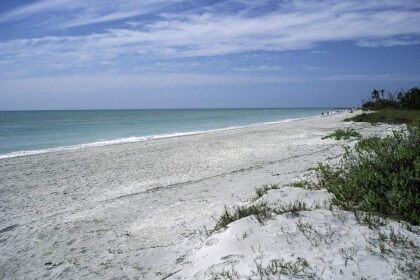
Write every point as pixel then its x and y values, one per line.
pixel 401 107
pixel 343 134
pixel 380 176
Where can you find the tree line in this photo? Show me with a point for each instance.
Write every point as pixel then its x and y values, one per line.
pixel 409 99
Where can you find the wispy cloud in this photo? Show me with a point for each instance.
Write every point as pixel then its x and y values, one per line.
pixel 95 83
pixel 38 7
pixel 205 31
pixel 259 68
pixel 73 13
pixel 388 42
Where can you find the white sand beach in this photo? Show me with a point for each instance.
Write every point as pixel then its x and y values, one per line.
pixel 139 210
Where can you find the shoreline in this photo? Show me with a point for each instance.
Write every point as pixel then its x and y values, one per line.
pixel 140 209
pixel 135 139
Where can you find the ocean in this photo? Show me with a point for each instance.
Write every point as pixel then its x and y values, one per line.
pixel 33 132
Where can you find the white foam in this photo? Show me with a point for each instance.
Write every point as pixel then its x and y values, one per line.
pixel 134 139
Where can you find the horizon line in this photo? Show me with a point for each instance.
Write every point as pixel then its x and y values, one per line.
pixel 198 108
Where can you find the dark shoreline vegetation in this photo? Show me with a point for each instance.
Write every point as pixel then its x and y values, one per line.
pixel 390 116
pixel 401 107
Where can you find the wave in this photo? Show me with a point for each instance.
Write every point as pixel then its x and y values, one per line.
pixel 134 139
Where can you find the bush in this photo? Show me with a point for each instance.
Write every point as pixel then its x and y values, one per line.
pixel 380 104
pixel 410 99
pixel 380 176
pixel 391 116
pixel 344 134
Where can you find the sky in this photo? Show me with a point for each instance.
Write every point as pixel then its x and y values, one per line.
pixel 107 54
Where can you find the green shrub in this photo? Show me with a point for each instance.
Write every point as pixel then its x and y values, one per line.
pixel 343 134
pixel 305 184
pixel 410 99
pixel 380 176
pixel 391 116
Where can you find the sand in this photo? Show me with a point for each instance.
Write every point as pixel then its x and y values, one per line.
pixel 138 210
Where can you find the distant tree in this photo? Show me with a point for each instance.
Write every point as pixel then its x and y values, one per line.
pixel 403 99
pixel 410 99
pixel 375 95
pixel 391 96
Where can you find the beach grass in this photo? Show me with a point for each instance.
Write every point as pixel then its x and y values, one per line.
pixel 260 191
pixel 391 116
pixel 289 269
pixel 378 175
pixel 260 211
pixel 305 184
pixel 278 269
pixel 343 134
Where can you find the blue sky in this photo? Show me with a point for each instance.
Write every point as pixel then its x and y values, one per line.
pixel 80 54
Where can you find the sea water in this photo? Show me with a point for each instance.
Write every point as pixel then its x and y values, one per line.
pixel 33 132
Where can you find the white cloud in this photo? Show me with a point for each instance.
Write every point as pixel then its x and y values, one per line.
pixel 388 42
pixel 98 83
pixel 291 25
pixel 72 13
pixel 39 7
pixel 259 68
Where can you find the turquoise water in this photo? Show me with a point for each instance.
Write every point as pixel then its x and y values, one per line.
pixel 30 132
